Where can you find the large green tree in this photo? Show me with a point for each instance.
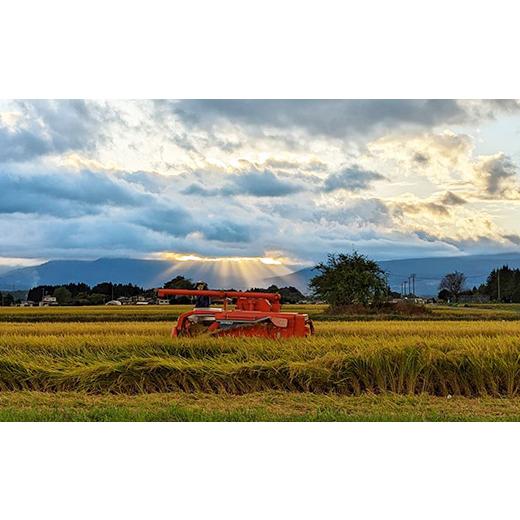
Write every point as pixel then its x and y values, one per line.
pixel 62 295
pixel 350 278
pixel 288 294
pixel 6 299
pixel 179 282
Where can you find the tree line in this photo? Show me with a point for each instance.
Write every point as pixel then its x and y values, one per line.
pixel 83 294
pixel 501 285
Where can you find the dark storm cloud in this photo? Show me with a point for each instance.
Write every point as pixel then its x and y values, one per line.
pixel 70 124
pixel 451 199
pixel 69 196
pixel 515 239
pixel 436 209
pixel 65 194
pixel 427 237
pixel 54 127
pixel 335 118
pixel 490 108
pixel 198 189
pixel 228 231
pixel 22 144
pixel 351 179
pixel 254 183
pixel 174 221
pixel 433 208
pixel 178 222
pixel 496 173
pixel 421 158
pixel 149 181
pixel 358 211
pixel 477 243
pixel 262 184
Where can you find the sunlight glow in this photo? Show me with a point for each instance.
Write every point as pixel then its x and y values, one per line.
pixel 20 262
pixel 181 257
pixel 231 271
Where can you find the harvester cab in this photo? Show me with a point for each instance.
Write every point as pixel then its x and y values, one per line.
pixel 254 314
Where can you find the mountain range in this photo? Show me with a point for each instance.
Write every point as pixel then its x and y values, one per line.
pixel 428 271
pixel 243 275
pixel 145 273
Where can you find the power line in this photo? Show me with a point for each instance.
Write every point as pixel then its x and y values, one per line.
pixel 425 278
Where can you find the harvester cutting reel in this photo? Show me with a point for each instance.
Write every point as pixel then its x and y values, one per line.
pixel 255 314
pixel 196 324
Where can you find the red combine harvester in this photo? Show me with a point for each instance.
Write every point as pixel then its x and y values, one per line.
pixel 255 314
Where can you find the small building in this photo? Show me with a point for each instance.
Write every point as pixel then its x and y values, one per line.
pixel 48 301
pixel 114 302
pixel 410 299
pixel 162 301
pixel 26 303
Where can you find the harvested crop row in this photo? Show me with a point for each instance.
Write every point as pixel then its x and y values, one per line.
pixel 411 370
pixel 86 343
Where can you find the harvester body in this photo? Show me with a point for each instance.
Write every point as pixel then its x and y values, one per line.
pixel 255 314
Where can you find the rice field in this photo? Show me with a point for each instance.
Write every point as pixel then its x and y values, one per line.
pixel 120 363
pixel 437 358
pixel 154 313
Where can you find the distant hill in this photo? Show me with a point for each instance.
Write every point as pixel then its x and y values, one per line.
pixel 429 271
pixel 153 273
pixel 145 273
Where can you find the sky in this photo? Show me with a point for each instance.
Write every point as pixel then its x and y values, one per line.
pixel 288 181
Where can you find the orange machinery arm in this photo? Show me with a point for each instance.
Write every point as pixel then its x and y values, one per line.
pixel 218 294
pixel 245 299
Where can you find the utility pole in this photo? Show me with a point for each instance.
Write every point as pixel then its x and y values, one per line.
pixel 413 281
pixel 498 284
pixel 405 282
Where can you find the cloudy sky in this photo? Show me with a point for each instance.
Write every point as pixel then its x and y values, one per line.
pixel 287 180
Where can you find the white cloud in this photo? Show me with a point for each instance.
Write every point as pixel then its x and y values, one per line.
pixel 93 178
pixel 497 174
